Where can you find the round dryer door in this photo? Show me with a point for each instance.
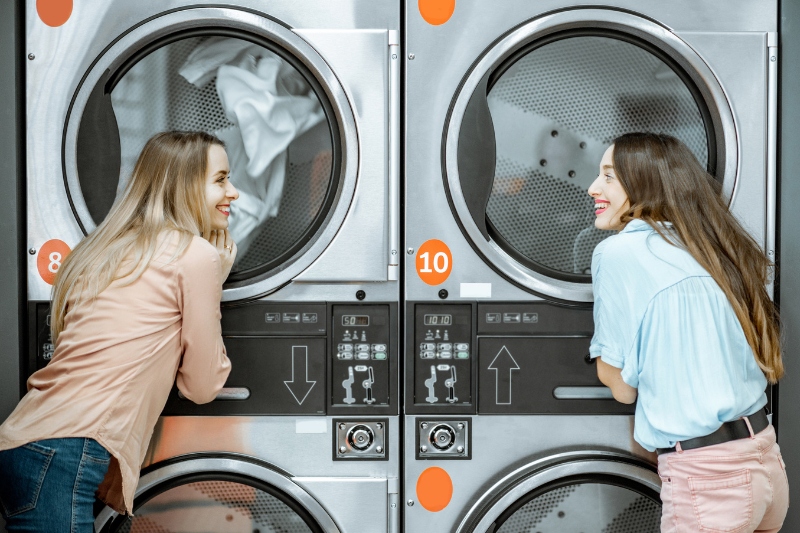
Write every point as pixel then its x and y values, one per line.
pixel 590 496
pixel 224 495
pixel 533 117
pixel 263 90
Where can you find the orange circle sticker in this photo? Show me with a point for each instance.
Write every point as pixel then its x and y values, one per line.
pixel 434 489
pixel 51 255
pixel 54 12
pixel 436 12
pixel 434 262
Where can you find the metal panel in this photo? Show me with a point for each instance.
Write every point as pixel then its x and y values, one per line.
pixel 352 496
pixel 788 285
pixel 11 176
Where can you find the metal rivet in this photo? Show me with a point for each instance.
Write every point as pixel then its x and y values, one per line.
pixel 31 57
pixel 423 449
pixel 543 162
pixel 460 449
pixel 342 449
pixel 379 425
pixel 394 505
pixel 379 449
pixel 423 425
pixel 773 59
pixel 460 425
pixel 561 514
pixel 410 251
pixel 411 57
pixel 554 133
pixel 394 56
pixel 443 294
pixel 582 145
pixel 361 295
pixel 342 425
pixel 32 251
pixel 571 173
pixel 410 503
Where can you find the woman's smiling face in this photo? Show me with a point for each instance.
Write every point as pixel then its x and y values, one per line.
pixel 610 199
pixel 220 192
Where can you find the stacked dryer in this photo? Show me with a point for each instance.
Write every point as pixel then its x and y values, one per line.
pixel 508 111
pixel 305 436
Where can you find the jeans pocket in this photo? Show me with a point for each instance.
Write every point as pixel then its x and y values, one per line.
pixel 723 502
pixel 22 472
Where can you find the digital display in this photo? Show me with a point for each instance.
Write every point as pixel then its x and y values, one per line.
pixel 438 320
pixel 355 320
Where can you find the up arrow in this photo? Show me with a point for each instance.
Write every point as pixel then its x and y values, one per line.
pixel 503 364
pixel 300 389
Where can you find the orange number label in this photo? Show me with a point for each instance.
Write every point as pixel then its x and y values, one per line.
pixel 434 262
pixel 51 255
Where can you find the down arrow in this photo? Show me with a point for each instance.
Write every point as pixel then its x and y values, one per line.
pixel 300 389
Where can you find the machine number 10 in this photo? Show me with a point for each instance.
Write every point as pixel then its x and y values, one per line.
pixel 440 262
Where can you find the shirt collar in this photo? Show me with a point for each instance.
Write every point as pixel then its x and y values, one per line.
pixel 637 224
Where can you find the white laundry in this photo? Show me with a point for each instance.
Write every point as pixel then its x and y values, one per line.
pixel 270 104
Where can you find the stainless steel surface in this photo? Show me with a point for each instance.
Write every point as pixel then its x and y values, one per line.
pixel 772 151
pixel 236 467
pixel 582 393
pixel 347 50
pixel 363 439
pixel 597 464
pixel 727 46
pixel 605 19
pixel 446 438
pixel 508 446
pixel 355 503
pixel 393 207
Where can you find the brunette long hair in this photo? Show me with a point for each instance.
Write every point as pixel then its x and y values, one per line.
pixel 665 182
pixel 166 192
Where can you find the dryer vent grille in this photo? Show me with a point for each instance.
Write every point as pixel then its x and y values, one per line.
pixel 218 506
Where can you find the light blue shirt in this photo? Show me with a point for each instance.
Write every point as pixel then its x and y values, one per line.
pixel 662 319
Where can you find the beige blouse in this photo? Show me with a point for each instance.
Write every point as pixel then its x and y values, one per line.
pixel 116 360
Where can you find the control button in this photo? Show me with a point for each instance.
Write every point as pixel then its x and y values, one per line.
pixel 362 355
pixel 511 318
pixel 345 347
pixel 379 355
pixel 492 318
pixel 530 318
pixel 461 346
pixel 271 318
pixel 309 318
pixel 427 346
pixel 446 346
pixel 291 317
pixel 345 355
pixel 378 347
pixel 362 347
pixel 462 355
pixel 361 368
pixel 444 355
pixel 427 354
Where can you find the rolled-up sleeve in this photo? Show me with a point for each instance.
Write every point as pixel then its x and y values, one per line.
pixel 205 365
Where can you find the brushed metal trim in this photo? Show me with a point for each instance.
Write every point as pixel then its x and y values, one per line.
pixel 583 393
pixel 228 466
pixel 393 184
pixel 572 463
pixel 214 17
pixel 578 18
pixel 772 150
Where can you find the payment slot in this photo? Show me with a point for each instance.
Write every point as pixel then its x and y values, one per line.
pixel 360 368
pixel 443 355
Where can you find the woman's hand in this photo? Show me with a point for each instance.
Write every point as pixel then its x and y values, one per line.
pixel 222 241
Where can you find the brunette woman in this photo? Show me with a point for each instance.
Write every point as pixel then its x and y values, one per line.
pixel 135 307
pixel 684 326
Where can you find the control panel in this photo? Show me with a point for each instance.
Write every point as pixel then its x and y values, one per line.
pixel 360 369
pixel 443 355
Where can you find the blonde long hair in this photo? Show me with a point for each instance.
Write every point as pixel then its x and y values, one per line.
pixel 665 182
pixel 166 192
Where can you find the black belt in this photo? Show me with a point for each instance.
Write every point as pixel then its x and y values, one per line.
pixel 729 431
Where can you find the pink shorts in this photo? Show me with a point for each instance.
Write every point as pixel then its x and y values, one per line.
pixel 733 487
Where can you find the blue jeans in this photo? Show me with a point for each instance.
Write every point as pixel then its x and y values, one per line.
pixel 49 486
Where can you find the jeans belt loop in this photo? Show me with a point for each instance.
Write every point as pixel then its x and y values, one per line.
pixel 678 447
pixel 749 427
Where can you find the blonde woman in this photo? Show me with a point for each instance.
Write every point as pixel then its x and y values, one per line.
pixel 685 328
pixel 135 307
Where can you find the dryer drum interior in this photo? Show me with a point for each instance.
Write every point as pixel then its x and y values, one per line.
pixel 215 502
pixel 589 504
pixel 533 117
pixel 280 130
